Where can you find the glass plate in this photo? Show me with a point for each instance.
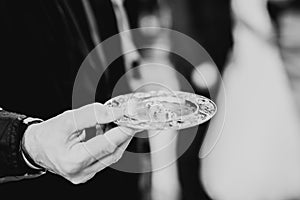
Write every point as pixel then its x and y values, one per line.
pixel 160 110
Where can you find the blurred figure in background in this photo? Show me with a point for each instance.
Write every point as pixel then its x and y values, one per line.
pixel 203 21
pixel 156 72
pixel 258 154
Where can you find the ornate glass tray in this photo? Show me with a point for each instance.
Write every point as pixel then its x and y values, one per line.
pixel 160 110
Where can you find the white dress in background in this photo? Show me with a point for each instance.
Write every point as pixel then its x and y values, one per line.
pixel 257 156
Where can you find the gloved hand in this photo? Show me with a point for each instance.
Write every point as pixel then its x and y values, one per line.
pixel 58 144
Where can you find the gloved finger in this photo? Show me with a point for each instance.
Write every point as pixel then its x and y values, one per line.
pixel 102 145
pixel 76 138
pixel 108 160
pixel 90 115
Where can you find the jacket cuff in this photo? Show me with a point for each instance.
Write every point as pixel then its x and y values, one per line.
pixel 12 162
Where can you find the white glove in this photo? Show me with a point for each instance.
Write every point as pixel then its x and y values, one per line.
pixel 57 144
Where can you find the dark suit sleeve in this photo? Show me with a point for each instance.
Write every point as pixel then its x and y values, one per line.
pixel 12 164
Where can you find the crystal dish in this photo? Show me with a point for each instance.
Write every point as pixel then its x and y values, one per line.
pixel 161 110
